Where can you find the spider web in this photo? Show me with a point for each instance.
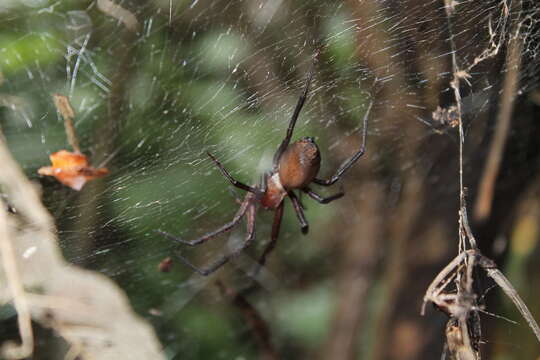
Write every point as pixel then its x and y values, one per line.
pixel 157 84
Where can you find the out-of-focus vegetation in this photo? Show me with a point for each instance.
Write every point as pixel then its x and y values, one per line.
pixel 224 76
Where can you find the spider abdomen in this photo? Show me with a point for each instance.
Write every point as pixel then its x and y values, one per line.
pixel 299 164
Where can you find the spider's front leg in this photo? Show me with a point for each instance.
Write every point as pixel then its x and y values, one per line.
pixel 292 123
pixel 350 162
pixel 232 180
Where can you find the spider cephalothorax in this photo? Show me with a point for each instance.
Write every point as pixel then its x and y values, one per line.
pixel 295 167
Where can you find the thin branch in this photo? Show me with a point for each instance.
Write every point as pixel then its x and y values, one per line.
pixel 64 108
pixel 466 227
pixel 511 292
pixel 455 84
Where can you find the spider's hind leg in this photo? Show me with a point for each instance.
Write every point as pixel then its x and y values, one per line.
pixel 222 229
pixel 206 271
pixel 278 215
pixel 225 258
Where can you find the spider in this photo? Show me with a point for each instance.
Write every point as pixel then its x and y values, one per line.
pixel 294 167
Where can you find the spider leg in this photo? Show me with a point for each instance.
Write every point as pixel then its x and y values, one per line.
pixel 323 200
pixel 299 212
pixel 225 258
pixel 224 228
pixel 232 180
pixel 297 109
pixel 278 215
pixel 235 195
pixel 350 162
pixel 300 200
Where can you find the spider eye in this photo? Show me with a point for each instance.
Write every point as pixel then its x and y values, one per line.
pixel 309 139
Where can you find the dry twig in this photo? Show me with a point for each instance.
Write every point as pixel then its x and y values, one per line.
pixel 64 108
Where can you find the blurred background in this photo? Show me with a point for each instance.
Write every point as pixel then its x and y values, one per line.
pixel 156 84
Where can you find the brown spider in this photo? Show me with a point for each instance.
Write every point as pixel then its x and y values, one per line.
pixel 294 167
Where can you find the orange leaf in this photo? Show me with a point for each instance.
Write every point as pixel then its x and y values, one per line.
pixel 71 169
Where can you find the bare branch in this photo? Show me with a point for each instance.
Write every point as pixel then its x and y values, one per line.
pixel 64 108
pixel 511 292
